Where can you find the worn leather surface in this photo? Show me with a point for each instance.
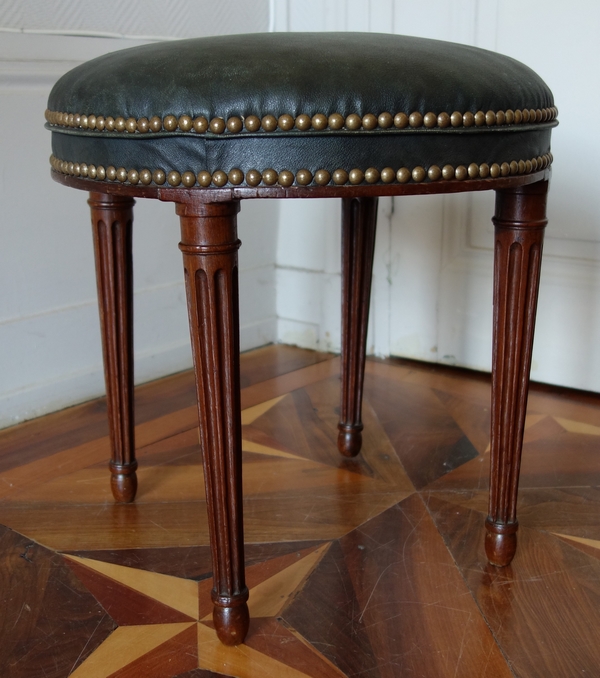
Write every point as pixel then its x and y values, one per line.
pixel 300 73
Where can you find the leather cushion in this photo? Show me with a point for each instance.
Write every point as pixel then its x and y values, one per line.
pixel 300 73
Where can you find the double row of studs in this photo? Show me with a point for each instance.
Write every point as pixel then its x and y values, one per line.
pixel 303 177
pixel 269 123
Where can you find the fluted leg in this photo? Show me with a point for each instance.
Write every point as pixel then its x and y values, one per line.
pixel 359 218
pixel 209 244
pixel 520 220
pixel 112 219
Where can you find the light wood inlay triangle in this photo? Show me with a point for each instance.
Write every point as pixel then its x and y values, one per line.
pixel 251 414
pixel 578 427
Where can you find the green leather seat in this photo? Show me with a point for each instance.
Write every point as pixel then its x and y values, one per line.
pixel 300 109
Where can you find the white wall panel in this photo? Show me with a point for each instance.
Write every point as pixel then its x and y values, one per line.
pixel 50 355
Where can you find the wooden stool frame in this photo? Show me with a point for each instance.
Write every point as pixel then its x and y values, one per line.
pixel 209 245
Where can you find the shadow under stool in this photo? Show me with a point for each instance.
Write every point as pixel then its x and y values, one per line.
pixel 206 123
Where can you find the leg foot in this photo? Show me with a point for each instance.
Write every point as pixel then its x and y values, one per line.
pixel 231 618
pixel 123 482
pixel 349 440
pixel 500 542
pixel 359 218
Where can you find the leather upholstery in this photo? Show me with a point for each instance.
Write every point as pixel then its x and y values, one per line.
pixel 300 73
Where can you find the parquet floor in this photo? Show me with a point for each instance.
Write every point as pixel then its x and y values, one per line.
pixel 370 568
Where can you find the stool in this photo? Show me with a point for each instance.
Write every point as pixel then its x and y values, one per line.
pixel 205 123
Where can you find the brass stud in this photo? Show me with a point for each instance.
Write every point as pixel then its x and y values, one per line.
pixel 335 121
pixel 236 176
pixel 356 176
pixel 545 114
pixel 84 170
pixel 143 125
pixel 484 170
pixel 76 169
pixel 430 120
pixel 188 179
pixel 521 167
pixel 319 121
pixel 253 177
pixel 174 178
pixel 509 116
pixel 443 120
pixel 185 123
pixel 170 123
pixel 200 124
pixel 100 123
pixel 385 120
pixel 504 169
pixel 269 177
pixel 479 118
pixel 468 119
pixel 76 120
pixel 401 120
pixel 121 174
pixel 159 177
pixel 154 124
pixel 269 123
pixel 322 177
pixel 92 171
pixel 234 124
pixel 434 173
pixel 372 175
pixel 217 125
pixel 100 173
pixel 133 176
pixel 514 167
pixel 303 177
pixel 403 175
pixel 91 121
pixel 473 170
pixel 447 172
pixel 419 174
pixel 490 118
pixel 83 122
pixel 525 115
pixel 415 119
pixel 111 173
pixel 70 120
pixel 340 177
pixel 528 166
pixel 500 118
pixel 303 122
pixel 285 122
pixel 534 164
pixel 109 123
pixel 532 115
pixel 518 117
pixel 353 121
pixel 456 119
pixel 461 173
pixel 204 178
pixel 286 178
pixel 369 121
pixel 219 178
pixel 68 168
pixel 495 170
pixel 387 175
pixel 145 176
pixel 252 123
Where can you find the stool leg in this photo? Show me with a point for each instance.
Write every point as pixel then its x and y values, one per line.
pixel 112 219
pixel 209 244
pixel 359 219
pixel 520 220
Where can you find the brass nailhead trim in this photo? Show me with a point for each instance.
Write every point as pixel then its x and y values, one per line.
pixel 270 123
pixel 285 178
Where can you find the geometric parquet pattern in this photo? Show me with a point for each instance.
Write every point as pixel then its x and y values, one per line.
pixel 369 568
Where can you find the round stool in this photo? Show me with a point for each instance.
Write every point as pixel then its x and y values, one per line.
pixel 208 122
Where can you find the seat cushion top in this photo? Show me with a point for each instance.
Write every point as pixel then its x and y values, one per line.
pixel 364 99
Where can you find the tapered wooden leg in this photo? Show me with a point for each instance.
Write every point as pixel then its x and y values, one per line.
pixel 520 220
pixel 209 244
pixel 359 217
pixel 112 219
